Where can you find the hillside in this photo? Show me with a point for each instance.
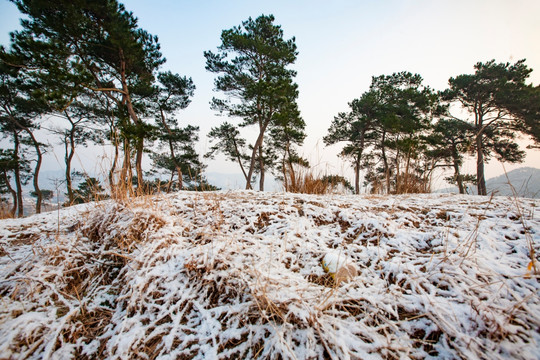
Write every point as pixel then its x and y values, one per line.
pixel 525 182
pixel 238 275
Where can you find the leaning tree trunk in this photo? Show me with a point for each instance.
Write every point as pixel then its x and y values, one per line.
pixel 481 181
pixel 261 166
pixel 126 99
pixel 258 144
pixel 239 158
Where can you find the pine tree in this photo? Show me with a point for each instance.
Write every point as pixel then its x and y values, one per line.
pixel 390 120
pixel 81 125
pixel 20 111
pixel 230 144
pixel 252 65
pixel 287 132
pixel 356 129
pixel 450 139
pixel 100 48
pixel 491 95
pixel 172 94
pixel 8 164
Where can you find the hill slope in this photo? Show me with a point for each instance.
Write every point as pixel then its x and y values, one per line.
pixel 525 183
pixel 238 275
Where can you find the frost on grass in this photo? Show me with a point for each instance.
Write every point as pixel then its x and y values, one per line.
pixel 238 275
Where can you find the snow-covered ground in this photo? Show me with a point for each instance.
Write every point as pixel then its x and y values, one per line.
pixel 238 274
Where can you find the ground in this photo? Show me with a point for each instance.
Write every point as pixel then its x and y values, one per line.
pixel 225 275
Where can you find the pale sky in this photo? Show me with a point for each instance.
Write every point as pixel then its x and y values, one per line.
pixel 341 45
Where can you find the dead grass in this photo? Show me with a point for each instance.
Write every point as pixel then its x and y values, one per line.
pixel 5 213
pixel 197 275
pixel 307 181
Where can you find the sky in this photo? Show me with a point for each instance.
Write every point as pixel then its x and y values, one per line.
pixel 341 45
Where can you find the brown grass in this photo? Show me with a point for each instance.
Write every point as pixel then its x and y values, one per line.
pixel 5 212
pixel 222 266
pixel 307 181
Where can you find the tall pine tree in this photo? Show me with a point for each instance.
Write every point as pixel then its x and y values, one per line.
pixel 491 96
pixel 101 48
pixel 252 66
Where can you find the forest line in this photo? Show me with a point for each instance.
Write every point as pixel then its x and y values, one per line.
pixel 90 64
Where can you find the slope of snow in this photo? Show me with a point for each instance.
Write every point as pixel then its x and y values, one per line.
pixel 238 275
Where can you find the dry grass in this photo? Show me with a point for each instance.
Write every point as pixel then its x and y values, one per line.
pixel 411 184
pixel 5 212
pixel 238 275
pixel 307 181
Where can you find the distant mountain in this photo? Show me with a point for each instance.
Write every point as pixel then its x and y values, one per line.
pixel 525 181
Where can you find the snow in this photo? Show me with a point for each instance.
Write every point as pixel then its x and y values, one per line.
pixel 239 274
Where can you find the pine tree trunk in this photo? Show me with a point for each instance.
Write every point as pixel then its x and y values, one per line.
pixel 481 181
pixel 239 158
pixel 284 172
pixel 405 183
pixel 70 151
pixel 385 163
pixel 125 174
pixel 357 176
pixel 138 165
pixel 39 159
pixel 397 186
pixel 457 172
pixel 291 168
pixel 112 184
pixel 18 184
pixel 133 115
pixel 459 178
pixel 13 193
pixel 39 198
pixel 358 163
